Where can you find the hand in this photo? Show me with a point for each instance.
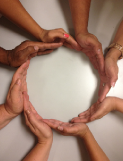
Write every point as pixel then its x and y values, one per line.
pixel 29 49
pixel 93 49
pixel 35 123
pixel 67 129
pixel 111 71
pixel 14 100
pixel 59 35
pixel 97 110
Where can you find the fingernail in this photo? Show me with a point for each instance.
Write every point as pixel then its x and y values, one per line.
pixel 36 48
pixel 66 35
pixel 60 128
pixel 28 111
pixel 19 82
pixel 113 84
pixel 98 51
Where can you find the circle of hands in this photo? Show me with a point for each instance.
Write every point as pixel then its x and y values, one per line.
pixel 18 99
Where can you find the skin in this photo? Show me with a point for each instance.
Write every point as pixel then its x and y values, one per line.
pixel 81 130
pixel 98 110
pixel 26 50
pixel 43 132
pixel 13 105
pixel 15 12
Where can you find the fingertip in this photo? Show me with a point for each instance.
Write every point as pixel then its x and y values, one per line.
pixel 66 35
pixel 18 82
pixel 36 48
pixel 60 128
pixel 28 111
pixel 113 84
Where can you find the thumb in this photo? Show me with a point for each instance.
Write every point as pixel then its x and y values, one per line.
pixel 113 75
pixel 29 51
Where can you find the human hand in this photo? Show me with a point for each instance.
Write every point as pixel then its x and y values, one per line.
pixel 111 73
pixel 97 110
pixel 93 49
pixel 14 100
pixel 67 129
pixel 35 122
pixel 59 35
pixel 29 49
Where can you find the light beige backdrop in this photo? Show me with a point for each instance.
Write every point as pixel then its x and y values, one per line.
pixel 62 84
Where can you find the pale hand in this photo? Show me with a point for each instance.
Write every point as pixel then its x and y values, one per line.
pixel 67 129
pixel 35 122
pixel 59 35
pixel 14 100
pixel 96 111
pixel 29 49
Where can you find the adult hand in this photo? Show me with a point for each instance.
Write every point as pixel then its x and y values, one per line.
pixel 111 73
pixel 14 100
pixel 29 49
pixel 67 129
pixel 35 122
pixel 97 110
pixel 93 49
pixel 59 35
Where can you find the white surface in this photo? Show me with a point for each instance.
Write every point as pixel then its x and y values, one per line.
pixel 62 84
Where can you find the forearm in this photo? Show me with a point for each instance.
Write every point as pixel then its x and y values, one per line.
pixel 39 153
pixel 3 56
pixel 5 117
pixel 14 11
pixel 80 14
pixel 118 104
pixel 115 53
pixel 94 150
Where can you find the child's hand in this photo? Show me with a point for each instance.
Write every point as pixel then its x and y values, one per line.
pixel 29 49
pixel 59 35
pixel 35 123
pixel 96 111
pixel 14 100
pixel 68 129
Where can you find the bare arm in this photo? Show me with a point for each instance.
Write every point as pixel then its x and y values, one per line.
pixel 80 15
pixel 14 11
pixel 94 150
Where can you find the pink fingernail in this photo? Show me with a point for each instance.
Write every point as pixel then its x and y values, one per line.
pixel 113 84
pixel 66 35
pixel 60 128
pixel 36 48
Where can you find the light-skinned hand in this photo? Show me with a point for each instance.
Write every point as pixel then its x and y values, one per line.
pixel 67 129
pixel 96 111
pixel 93 49
pixel 14 100
pixel 35 122
pixel 29 49
pixel 59 35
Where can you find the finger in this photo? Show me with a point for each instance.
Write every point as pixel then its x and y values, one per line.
pixel 19 73
pixel 25 53
pixel 104 90
pixel 45 52
pixel 52 123
pixel 94 62
pixel 46 46
pixel 70 40
pixel 100 59
pixel 79 119
pixel 26 101
pixel 15 92
pixel 67 45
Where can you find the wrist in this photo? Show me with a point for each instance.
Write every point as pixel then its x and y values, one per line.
pixel 82 32
pixel 83 135
pixel 113 53
pixel 39 34
pixel 45 142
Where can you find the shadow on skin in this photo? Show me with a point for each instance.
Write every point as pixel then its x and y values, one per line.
pixel 5 23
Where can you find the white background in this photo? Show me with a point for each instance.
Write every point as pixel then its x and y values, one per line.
pixel 63 84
